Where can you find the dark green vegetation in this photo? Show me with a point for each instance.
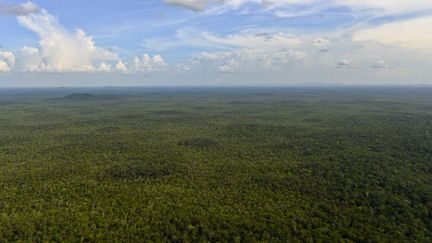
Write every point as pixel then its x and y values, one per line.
pixel 278 165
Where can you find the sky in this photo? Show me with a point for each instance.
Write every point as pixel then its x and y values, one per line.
pixel 215 42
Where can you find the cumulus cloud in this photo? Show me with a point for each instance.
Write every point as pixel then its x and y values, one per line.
pixel 7 61
pixel 60 50
pixel 104 67
pixel 411 34
pixel 144 63
pixel 19 9
pixel 30 59
pixel 148 64
pixel 121 66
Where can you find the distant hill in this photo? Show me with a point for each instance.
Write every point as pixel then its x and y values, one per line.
pixel 88 96
pixel 80 96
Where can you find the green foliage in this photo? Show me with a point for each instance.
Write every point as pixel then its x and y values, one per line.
pixel 199 143
pixel 238 165
pixel 79 96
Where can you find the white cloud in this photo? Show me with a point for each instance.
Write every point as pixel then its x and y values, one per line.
pixel 121 66
pixel 60 50
pixel 199 5
pixel 255 40
pixel 196 5
pixel 247 39
pixel 245 52
pixel 244 60
pixel 30 59
pixel 270 2
pixel 378 6
pixel 7 61
pixel 145 63
pixel 381 6
pixel 410 34
pixel 387 6
pixel 104 67
pixel 19 9
pixel 308 56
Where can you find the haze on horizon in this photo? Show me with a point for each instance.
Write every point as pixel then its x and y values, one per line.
pixel 225 42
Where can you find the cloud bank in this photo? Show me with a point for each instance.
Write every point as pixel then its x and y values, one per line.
pixel 246 52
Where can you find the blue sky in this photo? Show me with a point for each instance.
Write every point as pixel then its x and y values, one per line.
pixel 220 42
